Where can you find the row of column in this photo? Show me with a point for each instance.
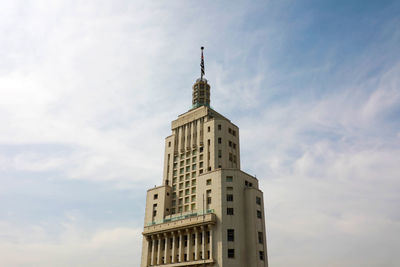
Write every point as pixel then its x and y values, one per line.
pixel 190 244
pixel 189 134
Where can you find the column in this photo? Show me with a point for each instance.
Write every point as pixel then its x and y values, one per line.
pixel 180 246
pixel 189 245
pixel 196 244
pixel 148 239
pixel 211 241
pixel 203 247
pixel 159 249
pixel 173 247
pixel 167 252
pixel 153 250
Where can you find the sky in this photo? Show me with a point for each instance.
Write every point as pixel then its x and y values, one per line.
pixel 88 90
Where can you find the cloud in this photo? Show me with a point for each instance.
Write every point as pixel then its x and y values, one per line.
pixel 113 246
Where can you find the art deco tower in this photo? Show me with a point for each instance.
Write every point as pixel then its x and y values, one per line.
pixel 207 212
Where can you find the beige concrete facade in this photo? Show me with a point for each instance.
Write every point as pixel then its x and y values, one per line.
pixel 207 212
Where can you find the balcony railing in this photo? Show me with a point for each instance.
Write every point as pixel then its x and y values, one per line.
pixel 181 217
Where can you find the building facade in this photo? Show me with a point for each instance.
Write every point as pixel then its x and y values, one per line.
pixel 207 212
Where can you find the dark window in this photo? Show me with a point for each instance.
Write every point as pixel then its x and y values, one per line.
pixel 219 153
pixel 262 255
pixel 201 149
pixel 208 142
pixel 208 200
pixel 185 239
pixel 229 178
pixel 259 214
pixel 246 183
pixel 208 237
pixel 155 196
pixel 154 213
pixel 234 133
pixel 229 211
pixel 219 127
pixel 234 146
pixel 258 200
pixel 169 145
pixel 260 238
pixel 219 140
pixel 208 129
pixel 229 130
pixel 231 235
pixel 231 253
pixel 230 143
pixel 229 197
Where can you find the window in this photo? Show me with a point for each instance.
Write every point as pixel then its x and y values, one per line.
pixel 234 145
pixel 208 129
pixel 260 238
pixel 259 214
pixel 258 200
pixel 219 140
pixel 219 153
pixel 231 235
pixel 231 253
pixel 234 133
pixel 208 200
pixel 219 127
pixel 154 213
pixel 169 144
pixel 261 255
pixel 229 211
pixel 229 178
pixel 229 188
pixel 229 130
pixel 208 182
pixel 229 197
pixel 230 143
pixel 201 150
pixel 155 196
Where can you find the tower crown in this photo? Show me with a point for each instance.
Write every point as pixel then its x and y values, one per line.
pixel 201 88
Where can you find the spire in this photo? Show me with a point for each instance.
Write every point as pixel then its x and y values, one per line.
pixel 201 88
pixel 202 64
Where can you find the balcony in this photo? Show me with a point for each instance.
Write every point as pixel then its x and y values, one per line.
pixel 180 222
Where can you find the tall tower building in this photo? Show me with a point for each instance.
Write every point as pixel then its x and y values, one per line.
pixel 207 212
